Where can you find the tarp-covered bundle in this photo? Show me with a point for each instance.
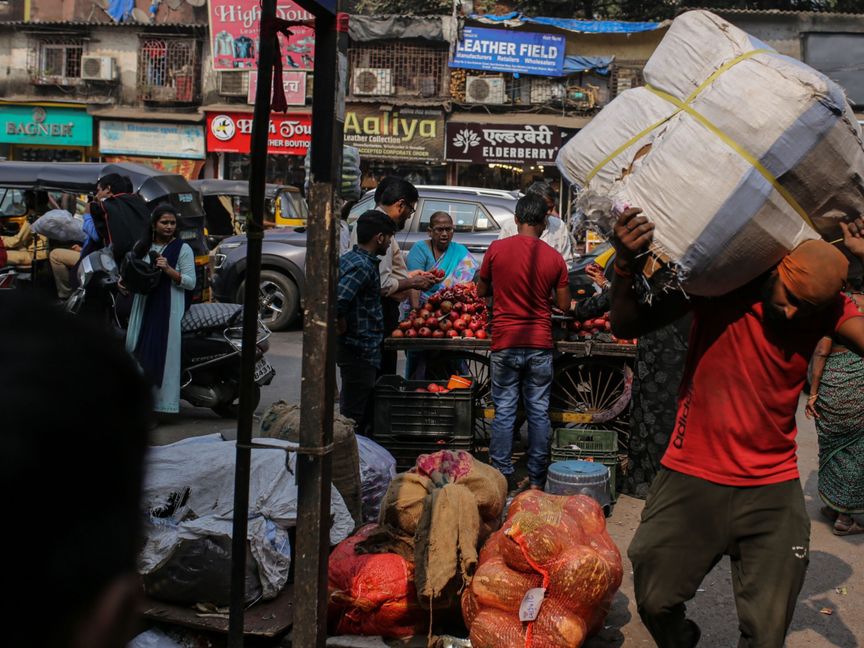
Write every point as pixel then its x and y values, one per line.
pixel 735 152
pixel 548 541
pixel 189 497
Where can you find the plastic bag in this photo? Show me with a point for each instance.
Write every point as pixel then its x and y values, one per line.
pixel 377 470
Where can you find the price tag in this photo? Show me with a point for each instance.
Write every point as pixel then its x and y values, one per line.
pixel 531 602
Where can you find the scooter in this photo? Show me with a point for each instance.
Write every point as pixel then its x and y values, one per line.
pixel 211 349
pixel 211 339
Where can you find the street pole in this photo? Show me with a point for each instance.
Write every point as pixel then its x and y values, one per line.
pixel 314 460
pixel 254 236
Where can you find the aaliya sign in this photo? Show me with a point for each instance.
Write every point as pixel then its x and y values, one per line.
pixel 404 134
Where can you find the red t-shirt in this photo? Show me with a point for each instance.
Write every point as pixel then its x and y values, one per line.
pixel 740 389
pixel 524 272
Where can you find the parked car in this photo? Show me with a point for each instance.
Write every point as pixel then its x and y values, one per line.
pixel 477 216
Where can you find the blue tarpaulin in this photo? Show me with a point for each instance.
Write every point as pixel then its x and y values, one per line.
pixel 598 64
pixel 120 9
pixel 575 25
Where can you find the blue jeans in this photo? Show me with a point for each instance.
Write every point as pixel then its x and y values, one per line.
pixel 528 370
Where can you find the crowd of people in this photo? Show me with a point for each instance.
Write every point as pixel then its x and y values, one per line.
pixel 727 481
pixel 726 484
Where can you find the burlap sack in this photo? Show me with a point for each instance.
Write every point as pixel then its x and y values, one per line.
pixel 445 551
pixel 438 521
pixel 282 421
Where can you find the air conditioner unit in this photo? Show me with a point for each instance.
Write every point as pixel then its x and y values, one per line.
pixel 98 68
pixel 544 91
pixel 485 90
pixel 234 84
pixel 372 81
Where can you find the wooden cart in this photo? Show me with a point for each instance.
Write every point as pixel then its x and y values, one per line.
pixel 591 388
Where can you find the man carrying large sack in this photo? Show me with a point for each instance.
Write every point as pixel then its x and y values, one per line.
pixel 729 483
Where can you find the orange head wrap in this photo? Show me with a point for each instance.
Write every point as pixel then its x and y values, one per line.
pixel 814 272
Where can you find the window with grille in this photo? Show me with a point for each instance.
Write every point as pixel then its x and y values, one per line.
pixel 400 70
pixel 169 70
pixel 56 60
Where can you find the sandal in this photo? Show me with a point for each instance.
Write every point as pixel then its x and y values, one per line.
pixel 844 529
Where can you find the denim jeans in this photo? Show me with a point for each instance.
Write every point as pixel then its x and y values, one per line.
pixel 528 370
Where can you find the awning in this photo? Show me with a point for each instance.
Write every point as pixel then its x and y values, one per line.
pixel 532 119
pixel 515 19
pixel 246 108
pixel 121 112
pixel 393 27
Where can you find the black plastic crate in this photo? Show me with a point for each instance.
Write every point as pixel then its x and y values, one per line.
pixel 406 453
pixel 405 414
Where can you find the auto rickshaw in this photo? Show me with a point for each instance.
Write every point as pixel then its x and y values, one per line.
pixel 227 206
pixel 26 188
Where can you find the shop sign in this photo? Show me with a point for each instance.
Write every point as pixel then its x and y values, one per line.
pixel 294 84
pixel 234 28
pixel 500 50
pixel 184 141
pixel 405 134
pixel 40 125
pixel 479 144
pixel 231 132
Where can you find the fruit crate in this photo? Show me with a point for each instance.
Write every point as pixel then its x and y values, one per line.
pixel 405 414
pixel 586 442
pixel 406 452
pixel 588 445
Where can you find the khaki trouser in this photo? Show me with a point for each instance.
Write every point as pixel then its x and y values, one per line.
pixel 689 524
pixel 62 262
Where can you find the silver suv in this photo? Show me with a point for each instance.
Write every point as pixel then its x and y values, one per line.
pixel 478 215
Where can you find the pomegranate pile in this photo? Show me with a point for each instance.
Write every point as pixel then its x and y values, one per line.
pixel 597 328
pixel 452 312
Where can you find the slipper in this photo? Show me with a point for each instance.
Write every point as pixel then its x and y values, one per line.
pixel 847 529
pixel 829 513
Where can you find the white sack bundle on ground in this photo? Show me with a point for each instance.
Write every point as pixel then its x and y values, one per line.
pixel 735 152
pixel 189 500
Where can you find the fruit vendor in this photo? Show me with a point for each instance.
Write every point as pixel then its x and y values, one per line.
pixel 360 317
pixel 522 273
pixel 730 483
pixel 397 198
pixel 449 261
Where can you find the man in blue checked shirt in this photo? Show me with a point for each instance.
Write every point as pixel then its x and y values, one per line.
pixel 360 318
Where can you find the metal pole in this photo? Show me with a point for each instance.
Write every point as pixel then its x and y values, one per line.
pixel 254 236
pixel 314 465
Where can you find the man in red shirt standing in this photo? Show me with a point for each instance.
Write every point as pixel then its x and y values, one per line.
pixel 522 274
pixel 729 483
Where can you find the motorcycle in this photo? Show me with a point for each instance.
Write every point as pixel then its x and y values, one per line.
pixel 211 338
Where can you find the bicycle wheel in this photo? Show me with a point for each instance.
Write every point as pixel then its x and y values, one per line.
pixel 600 388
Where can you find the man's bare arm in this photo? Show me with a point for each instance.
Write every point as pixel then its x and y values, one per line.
pixel 484 288
pixel 629 317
